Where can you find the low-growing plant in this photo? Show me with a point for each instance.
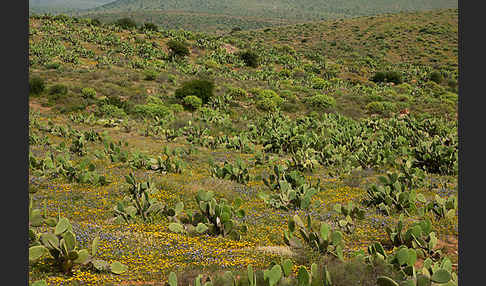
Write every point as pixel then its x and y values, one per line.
pixel 138 205
pixel 324 240
pixel 62 246
pixel 238 171
pixel 192 102
pixel 443 207
pixel 250 58
pixel 171 164
pixel 321 101
pixel 351 213
pixel 88 93
pixel 177 49
pixel 288 189
pixel 36 85
pixel 126 23
pixel 214 218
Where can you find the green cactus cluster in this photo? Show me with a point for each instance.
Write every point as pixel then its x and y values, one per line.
pixel 115 152
pixel 171 164
pixel 79 146
pixel 351 212
pixel 304 159
pixel 289 189
pixel 214 218
pixel 275 274
pixel 443 207
pixel 403 260
pixel 138 205
pixel 322 239
pixel 418 236
pixel 394 195
pixel 83 118
pixel 62 246
pixel 239 171
pixel 50 166
pixel 240 142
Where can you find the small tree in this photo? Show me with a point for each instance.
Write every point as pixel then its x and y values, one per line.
pixel 250 58
pixel 36 85
pixel 177 49
pixel 149 27
pixel 192 102
pixel 198 87
pixel 126 23
pixel 436 77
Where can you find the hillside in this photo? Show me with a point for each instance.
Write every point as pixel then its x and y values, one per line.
pixel 57 6
pixel 165 174
pixel 224 15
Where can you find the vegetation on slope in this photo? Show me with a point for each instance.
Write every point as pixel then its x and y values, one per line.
pixel 309 129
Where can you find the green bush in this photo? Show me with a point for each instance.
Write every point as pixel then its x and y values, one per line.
pixel 198 87
pixel 58 89
pixel 320 83
pixel 152 110
pixel 149 27
pixel 321 101
pixel 192 102
pixel 126 23
pixel 108 110
pixel 390 76
pixel 436 77
pixel 177 49
pixel 150 75
pixel 434 89
pixel 176 108
pixel 266 104
pixel 381 107
pixel 268 100
pixel 250 58
pixel 88 92
pixel 36 85
pixel 53 65
pixel 237 92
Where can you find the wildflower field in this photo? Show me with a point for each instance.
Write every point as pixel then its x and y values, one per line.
pixel 331 158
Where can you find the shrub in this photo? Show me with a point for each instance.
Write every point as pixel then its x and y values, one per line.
pixel 381 107
pixel 176 108
pixel 198 87
pixel 434 89
pixel 289 96
pixel 149 27
pixel 150 75
pixel 250 58
pixel 319 83
pixel 266 104
pixel 390 76
pixel 321 101
pixel 53 65
pixel 192 102
pixel 126 23
pixel 88 92
pixel 268 100
pixel 152 110
pixel 177 49
pixel 108 110
pixel 95 22
pixel 394 77
pixel 436 77
pixel 237 92
pixel 58 89
pixel 36 85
